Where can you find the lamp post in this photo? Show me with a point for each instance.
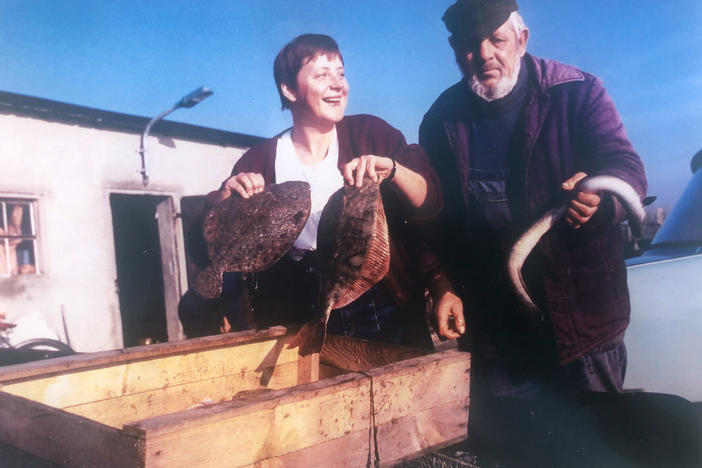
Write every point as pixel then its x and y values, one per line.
pixel 189 100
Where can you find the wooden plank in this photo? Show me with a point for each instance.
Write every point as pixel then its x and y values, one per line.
pixel 271 424
pixel 118 411
pixel 417 403
pixel 65 438
pixel 117 356
pixel 247 402
pixel 307 368
pixel 118 379
pixel 353 354
pixel 165 217
pixel 418 384
pixel 326 371
pixel 445 345
pixel 258 425
pixel 398 439
pixel 419 432
pixel 422 370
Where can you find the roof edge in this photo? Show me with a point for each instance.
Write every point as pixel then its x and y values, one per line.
pixel 55 111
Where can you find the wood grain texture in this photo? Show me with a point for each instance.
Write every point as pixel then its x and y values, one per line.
pixel 89 360
pixel 268 407
pixel 254 362
pixel 307 368
pixel 247 402
pixel 65 438
pixel 121 410
pixel 418 384
pixel 258 425
pixel 276 423
pixel 399 439
pixel 165 217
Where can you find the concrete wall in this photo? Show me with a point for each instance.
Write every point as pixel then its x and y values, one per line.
pixel 72 170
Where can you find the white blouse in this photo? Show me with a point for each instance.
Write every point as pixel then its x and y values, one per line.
pixel 324 179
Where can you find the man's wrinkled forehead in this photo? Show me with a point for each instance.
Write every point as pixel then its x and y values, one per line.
pixel 477 19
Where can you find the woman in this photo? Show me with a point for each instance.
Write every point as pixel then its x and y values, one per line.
pixel 326 149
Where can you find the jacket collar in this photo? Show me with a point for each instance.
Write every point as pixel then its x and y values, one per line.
pixel 549 73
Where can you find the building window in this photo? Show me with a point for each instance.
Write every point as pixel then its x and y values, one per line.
pixel 18 237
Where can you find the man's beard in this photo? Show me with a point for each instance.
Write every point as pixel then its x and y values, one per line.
pixel 501 89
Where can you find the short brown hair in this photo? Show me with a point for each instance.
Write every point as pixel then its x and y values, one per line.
pixel 297 53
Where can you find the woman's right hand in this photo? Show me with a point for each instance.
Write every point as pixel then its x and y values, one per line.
pixel 243 183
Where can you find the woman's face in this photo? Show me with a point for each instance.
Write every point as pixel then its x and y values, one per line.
pixel 322 90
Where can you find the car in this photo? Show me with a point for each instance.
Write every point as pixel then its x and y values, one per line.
pixel 663 340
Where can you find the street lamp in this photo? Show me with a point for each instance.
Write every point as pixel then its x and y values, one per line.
pixel 189 100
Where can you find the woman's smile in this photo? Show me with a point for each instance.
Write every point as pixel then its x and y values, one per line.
pixel 321 90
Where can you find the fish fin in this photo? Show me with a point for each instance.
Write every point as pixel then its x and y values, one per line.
pixel 310 338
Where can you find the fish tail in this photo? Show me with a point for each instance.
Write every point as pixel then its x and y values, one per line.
pixel 311 336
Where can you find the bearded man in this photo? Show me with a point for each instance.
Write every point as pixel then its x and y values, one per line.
pixel 509 140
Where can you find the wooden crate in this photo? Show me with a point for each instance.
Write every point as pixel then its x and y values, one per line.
pixel 240 399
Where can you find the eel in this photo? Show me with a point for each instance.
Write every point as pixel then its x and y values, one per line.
pixel 526 243
pixel 354 252
pixel 249 235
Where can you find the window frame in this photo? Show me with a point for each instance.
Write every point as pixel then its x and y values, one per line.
pixel 32 237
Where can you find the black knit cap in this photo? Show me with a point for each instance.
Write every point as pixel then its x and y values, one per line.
pixel 477 19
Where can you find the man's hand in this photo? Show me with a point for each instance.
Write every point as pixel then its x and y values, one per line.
pixel 243 183
pixel 448 307
pixel 449 316
pixel 583 205
pixel 377 168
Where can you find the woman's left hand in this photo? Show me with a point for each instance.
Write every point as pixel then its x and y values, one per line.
pixel 377 168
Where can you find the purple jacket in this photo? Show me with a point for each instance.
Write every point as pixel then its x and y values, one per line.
pixel 569 124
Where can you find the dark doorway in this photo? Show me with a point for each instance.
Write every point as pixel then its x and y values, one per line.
pixel 139 268
pixel 191 209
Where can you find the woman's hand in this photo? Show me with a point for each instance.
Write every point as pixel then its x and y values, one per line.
pixel 377 168
pixel 409 183
pixel 583 205
pixel 243 183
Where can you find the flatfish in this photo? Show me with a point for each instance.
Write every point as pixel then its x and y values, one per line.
pixel 249 235
pixel 354 254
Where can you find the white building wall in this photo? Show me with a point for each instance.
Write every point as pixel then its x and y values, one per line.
pixel 71 171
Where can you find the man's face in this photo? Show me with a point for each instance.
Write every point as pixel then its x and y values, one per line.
pixel 492 64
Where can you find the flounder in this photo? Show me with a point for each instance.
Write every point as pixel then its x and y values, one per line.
pixel 354 254
pixel 249 235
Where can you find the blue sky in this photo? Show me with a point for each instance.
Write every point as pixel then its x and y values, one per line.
pixel 139 57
